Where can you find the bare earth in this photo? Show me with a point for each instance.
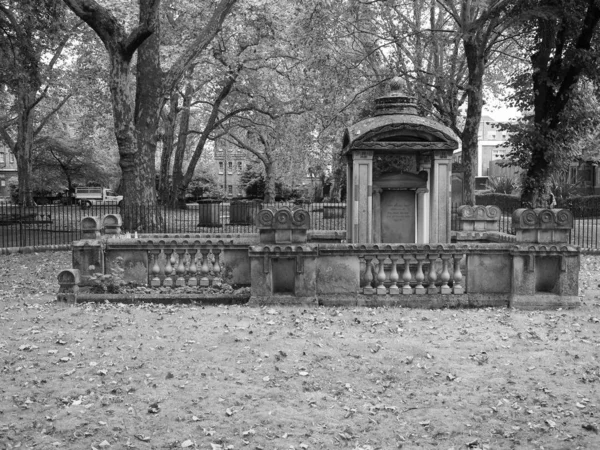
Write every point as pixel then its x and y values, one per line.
pixel 155 377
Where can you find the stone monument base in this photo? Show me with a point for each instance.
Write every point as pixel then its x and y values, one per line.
pixel 544 301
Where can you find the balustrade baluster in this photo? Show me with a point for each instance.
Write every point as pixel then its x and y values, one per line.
pixel 193 281
pixel 216 269
pixel 445 289
pixel 368 289
pixel 394 277
pixel 381 289
pixel 419 275
pixel 155 281
pixel 204 281
pixel 180 281
pixel 432 275
pixel 457 288
pixel 406 276
pixel 168 281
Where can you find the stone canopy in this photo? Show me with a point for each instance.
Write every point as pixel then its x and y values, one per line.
pixel 396 127
pixel 399 166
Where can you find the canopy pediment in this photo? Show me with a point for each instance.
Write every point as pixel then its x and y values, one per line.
pixel 399 132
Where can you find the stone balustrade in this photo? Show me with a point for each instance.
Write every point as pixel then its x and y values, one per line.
pixel 523 273
pixel 409 273
pixel 185 265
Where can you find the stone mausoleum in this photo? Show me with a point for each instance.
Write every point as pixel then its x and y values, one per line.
pixel 399 172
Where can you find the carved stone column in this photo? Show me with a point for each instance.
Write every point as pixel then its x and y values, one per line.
pixel 377 214
pixel 422 216
pixel 362 196
pixel 441 172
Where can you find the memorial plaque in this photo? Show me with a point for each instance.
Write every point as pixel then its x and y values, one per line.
pixel 398 216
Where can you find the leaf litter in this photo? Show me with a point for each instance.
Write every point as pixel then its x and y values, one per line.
pixel 233 377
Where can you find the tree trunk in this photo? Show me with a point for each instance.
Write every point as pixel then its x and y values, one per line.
pixel 147 115
pixel 125 133
pixel 179 184
pixel 476 66
pixel 24 144
pixel 168 142
pixel 269 182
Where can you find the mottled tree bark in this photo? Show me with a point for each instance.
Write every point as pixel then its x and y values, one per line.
pixel 178 187
pixel 169 120
pixel 24 143
pixel 470 143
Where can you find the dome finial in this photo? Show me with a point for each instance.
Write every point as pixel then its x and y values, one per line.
pixel 397 84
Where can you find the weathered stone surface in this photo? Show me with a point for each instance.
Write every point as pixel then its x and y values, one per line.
pixel 489 273
pixel 478 218
pixel 134 265
pixel 542 225
pixel 90 227
pixel 338 275
pixel 88 258
pixel 544 301
pixel 398 216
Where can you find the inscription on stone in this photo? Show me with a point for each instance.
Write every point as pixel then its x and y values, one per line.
pixel 398 216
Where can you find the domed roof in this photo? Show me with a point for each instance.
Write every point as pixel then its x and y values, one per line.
pixel 396 127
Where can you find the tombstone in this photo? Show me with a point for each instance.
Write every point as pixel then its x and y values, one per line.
pixel 90 227
pixel 112 223
pixel 399 166
pixel 69 285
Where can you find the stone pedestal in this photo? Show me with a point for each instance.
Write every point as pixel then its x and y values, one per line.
pixel 478 218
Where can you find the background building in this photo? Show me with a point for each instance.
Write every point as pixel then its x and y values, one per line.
pixel 231 163
pixel 8 170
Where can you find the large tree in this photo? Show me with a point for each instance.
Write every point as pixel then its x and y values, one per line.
pixel 564 48
pixel 33 35
pixel 481 27
pixel 137 106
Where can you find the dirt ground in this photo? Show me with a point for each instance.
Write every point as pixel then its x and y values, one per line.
pixel 156 377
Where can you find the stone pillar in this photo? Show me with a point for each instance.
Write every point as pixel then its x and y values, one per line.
pixel 426 197
pixel 362 196
pixel 422 216
pixel 377 214
pixel 441 172
pixel 349 201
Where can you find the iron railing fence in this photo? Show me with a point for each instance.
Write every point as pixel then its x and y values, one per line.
pixel 60 224
pixel 585 232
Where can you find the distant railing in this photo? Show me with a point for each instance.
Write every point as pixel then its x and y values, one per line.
pixel 48 225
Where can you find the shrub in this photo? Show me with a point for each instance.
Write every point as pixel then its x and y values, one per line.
pixel 502 185
pixel 506 202
pixel 586 206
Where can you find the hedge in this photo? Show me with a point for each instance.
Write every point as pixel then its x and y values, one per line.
pixel 506 202
pixel 585 206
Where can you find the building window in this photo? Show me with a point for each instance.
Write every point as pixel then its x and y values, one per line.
pixel 497 154
pixel 2 158
pixel 573 175
pixel 230 189
pixel 240 191
pixel 230 167
pixel 12 158
pixel 221 167
pixel 240 167
pixel 2 182
pixel 221 187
